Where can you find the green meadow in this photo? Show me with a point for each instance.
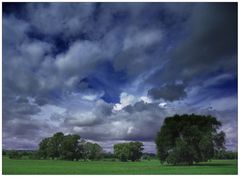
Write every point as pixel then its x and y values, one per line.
pixel 11 166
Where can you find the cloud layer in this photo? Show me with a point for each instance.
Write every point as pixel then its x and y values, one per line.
pixel 112 72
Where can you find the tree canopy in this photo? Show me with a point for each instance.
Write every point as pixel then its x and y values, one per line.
pixel 187 139
pixel 128 151
pixel 92 151
pixel 68 147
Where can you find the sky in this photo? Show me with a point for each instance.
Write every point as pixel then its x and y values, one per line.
pixel 112 72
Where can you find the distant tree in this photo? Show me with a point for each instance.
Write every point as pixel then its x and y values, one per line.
pixel 108 155
pixel 148 156
pixel 34 155
pixel 14 155
pixel 97 152
pixel 135 150
pixel 223 154
pixel 189 138
pixel 68 147
pixel 128 151
pixel 121 151
pixel 92 151
pixel 4 152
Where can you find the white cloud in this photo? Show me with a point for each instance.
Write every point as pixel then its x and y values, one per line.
pixel 138 38
pixel 146 99
pixel 46 112
pixel 82 119
pixel 92 96
pixel 80 57
pixel 163 104
pixel 125 100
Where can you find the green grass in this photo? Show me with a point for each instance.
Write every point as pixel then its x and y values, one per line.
pixel 105 167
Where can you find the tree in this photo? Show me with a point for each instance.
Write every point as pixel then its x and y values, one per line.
pixel 108 155
pixel 223 154
pixel 43 148
pixel 128 151
pixel 15 155
pixel 57 140
pixel 54 145
pixel 4 152
pixel 69 147
pixel 121 151
pixel 92 151
pixel 135 150
pixel 60 146
pixel 189 138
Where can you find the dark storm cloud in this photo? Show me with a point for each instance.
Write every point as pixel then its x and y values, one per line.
pixel 168 92
pixel 209 46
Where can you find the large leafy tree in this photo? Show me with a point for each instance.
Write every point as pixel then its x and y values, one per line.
pixel 43 148
pixel 187 139
pixel 55 143
pixel 68 147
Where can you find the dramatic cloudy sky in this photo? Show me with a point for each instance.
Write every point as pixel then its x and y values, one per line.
pixel 112 72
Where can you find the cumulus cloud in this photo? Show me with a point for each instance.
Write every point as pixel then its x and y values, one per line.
pixel 81 55
pixel 141 39
pixel 82 119
pixel 139 122
pixel 59 17
pixel 125 100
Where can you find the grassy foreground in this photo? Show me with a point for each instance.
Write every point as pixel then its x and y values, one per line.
pixel 104 167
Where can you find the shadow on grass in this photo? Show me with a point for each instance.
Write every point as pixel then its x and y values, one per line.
pixel 214 164
pixel 203 165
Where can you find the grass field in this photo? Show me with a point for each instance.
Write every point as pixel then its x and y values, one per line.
pixel 106 167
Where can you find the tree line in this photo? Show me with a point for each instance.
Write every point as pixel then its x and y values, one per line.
pixel 72 147
pixel 185 139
